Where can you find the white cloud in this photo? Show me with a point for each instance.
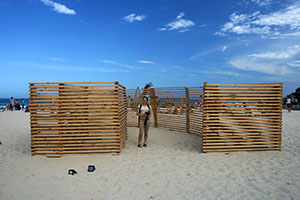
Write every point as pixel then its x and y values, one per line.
pixel 287 17
pixel 162 29
pixel 60 8
pixel 176 67
pixel 184 30
pixel 180 15
pixel 281 62
pixel 41 66
pixel 168 68
pixel 145 62
pixel 285 54
pixel 56 59
pixel 267 68
pixel 291 34
pixel 295 63
pixel 120 64
pixel 85 69
pixel 224 48
pixel 179 24
pixel 210 51
pixel 133 17
pixel 278 24
pixel 262 2
pixel 226 73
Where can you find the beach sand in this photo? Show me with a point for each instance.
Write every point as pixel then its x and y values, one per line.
pixel 171 167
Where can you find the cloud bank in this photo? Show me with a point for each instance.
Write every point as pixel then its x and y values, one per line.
pixel 278 24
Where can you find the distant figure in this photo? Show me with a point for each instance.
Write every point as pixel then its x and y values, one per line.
pixel 23 104
pixel 295 102
pixel 172 108
pixel 144 111
pixel 181 110
pixel 129 101
pixel 11 103
pixel 27 109
pixel 289 103
pixel 176 110
pixel 201 102
pixel 17 105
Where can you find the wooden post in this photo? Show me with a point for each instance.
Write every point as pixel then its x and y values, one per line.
pixel 60 122
pixel 187 109
pixel 33 133
pixel 119 118
pixel 204 128
pixel 280 128
pixel 154 105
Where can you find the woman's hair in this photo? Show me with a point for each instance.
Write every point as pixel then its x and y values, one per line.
pixel 145 97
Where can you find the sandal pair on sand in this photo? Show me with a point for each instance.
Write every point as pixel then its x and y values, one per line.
pixel 145 145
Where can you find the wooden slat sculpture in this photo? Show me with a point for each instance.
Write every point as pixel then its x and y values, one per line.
pixel 242 117
pixel 229 117
pixel 77 118
pixel 178 108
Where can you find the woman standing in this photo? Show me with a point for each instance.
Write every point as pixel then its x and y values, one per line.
pixel 23 104
pixel 144 111
pixel 289 103
pixel 12 103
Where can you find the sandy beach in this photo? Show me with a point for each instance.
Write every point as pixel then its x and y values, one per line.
pixel 171 167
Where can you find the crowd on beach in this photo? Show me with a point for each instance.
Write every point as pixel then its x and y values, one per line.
pixel 15 104
pixel 290 103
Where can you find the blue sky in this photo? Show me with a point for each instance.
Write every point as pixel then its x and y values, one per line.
pixel 167 42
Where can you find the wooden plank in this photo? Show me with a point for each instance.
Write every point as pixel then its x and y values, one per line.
pixel 49 83
pixel 244 149
pixel 247 84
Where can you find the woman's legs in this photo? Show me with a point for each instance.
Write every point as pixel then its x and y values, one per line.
pixel 141 131
pixel 146 129
pixel 289 107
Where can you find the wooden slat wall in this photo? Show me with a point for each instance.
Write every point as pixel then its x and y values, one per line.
pixel 189 115
pixel 196 113
pixel 77 118
pixel 167 96
pixel 242 117
pixel 123 104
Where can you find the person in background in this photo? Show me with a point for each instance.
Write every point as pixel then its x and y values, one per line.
pixel 295 102
pixel 23 104
pixel 172 109
pixel 3 108
pixel 144 111
pixel 201 102
pixel 27 109
pixel 289 103
pixel 17 105
pixel 11 103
